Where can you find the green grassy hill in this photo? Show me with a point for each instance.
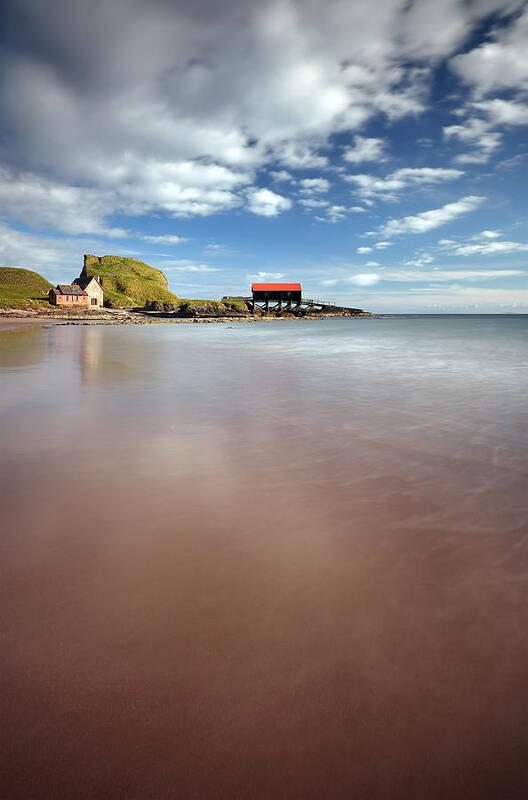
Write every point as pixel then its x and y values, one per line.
pixel 22 288
pixel 128 282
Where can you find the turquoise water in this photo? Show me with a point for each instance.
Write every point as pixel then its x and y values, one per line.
pixel 260 560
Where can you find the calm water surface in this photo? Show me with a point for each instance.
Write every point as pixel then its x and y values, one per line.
pixel 274 560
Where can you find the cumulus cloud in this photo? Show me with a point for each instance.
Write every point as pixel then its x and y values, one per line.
pixel 43 203
pixel 364 249
pixel 365 149
pixel 478 133
pixel 336 213
pixel 281 175
pixel 503 112
pixel 370 187
pixel 501 63
pixel 314 185
pixel 434 218
pixel 420 261
pixel 158 107
pixel 266 203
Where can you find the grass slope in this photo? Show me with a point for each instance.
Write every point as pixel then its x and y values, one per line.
pixel 22 288
pixel 128 282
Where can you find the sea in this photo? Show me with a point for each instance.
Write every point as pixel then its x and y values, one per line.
pixel 281 559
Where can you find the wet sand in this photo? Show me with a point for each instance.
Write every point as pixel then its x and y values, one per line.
pixel 231 572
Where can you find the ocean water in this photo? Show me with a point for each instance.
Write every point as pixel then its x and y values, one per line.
pixel 270 560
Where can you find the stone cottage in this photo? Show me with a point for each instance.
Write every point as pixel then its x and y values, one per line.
pixel 93 287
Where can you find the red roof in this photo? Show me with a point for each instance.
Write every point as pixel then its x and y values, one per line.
pixel 276 287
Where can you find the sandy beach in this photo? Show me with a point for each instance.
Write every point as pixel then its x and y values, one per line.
pixel 261 561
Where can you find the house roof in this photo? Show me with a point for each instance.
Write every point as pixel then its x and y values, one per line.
pixel 83 282
pixel 276 287
pixel 65 288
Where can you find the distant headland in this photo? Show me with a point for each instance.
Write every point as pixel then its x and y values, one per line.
pixel 120 289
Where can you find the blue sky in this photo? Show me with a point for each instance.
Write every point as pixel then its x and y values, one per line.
pixel 378 157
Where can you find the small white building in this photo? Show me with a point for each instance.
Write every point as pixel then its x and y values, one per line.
pixel 93 286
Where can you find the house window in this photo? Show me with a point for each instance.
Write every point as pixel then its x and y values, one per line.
pixel 94 301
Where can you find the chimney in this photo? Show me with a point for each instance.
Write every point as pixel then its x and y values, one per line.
pixel 99 281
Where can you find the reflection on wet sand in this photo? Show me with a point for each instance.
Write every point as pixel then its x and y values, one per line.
pixel 244 582
pixel 21 348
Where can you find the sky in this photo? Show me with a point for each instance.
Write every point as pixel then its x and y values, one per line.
pixel 376 153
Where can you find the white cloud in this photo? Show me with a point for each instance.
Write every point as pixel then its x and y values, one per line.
pixel 281 175
pixel 501 63
pixel 266 203
pixel 477 132
pixel 164 239
pixel 312 202
pixel 336 213
pixel 489 248
pixel 364 249
pixel 370 187
pixel 372 264
pixel 299 155
pixel 364 279
pixel 420 261
pixel 314 185
pixel 503 112
pixel 184 265
pixel 43 203
pixel 180 189
pixel 487 235
pixel 428 220
pixel 175 115
pixel 382 245
pixel 365 149
pixel 266 276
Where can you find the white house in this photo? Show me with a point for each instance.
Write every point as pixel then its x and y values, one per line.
pixel 93 288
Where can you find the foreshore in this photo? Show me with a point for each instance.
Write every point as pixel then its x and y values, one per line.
pixel 15 318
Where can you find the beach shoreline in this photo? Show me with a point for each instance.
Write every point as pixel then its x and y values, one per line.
pixel 11 319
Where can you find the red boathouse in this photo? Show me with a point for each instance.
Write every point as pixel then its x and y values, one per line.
pixel 276 292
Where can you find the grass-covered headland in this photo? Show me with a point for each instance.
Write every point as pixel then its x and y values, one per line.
pixel 127 283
